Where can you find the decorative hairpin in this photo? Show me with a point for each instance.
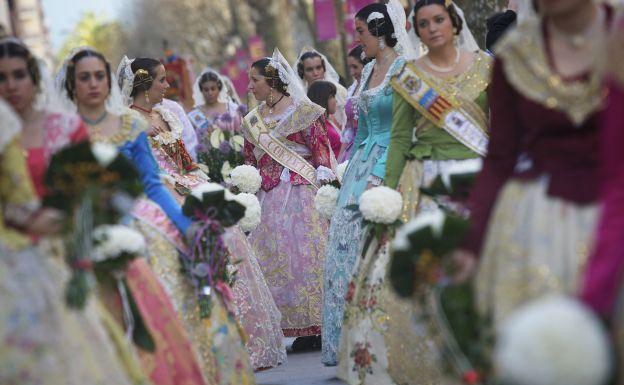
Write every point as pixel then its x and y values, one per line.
pixel 141 76
pixel 447 3
pixel 374 16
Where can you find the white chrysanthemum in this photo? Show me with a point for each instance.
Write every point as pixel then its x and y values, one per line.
pixel 341 169
pixel 198 191
pixel 325 200
pixel 246 178
pixel 113 240
pixel 253 211
pixel 553 341
pixel 434 219
pixel 104 153
pixel 381 204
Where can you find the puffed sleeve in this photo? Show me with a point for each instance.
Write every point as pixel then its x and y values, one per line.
pixel 318 142
pixel 140 153
pixel 502 154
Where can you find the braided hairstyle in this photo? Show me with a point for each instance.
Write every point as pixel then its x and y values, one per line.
pixel 14 49
pixel 271 74
pixel 70 76
pixel 457 22
pixel 382 28
pixel 144 70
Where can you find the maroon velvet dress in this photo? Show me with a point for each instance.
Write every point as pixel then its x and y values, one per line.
pixel 533 206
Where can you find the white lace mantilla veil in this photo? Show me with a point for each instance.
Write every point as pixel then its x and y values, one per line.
pixel 466 39
pixel 331 74
pixel 289 76
pixel 114 104
pixel 125 77
pixel 198 97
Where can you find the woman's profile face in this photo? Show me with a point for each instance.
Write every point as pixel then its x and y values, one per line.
pixel 369 43
pixel 258 85
pixel 355 67
pixel 159 87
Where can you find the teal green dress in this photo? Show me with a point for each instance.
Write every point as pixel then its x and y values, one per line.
pixel 368 163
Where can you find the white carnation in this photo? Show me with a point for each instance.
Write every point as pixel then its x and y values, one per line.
pixel 198 191
pixel 553 341
pixel 434 219
pixel 325 200
pixel 246 178
pixel 253 211
pixel 104 153
pixel 381 205
pixel 113 240
pixel 341 169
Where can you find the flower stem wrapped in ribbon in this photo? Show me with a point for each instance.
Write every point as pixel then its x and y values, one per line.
pixel 214 209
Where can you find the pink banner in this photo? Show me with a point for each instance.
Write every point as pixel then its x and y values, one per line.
pixel 236 70
pixel 325 16
pixel 351 8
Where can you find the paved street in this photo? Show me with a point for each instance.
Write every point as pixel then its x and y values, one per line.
pixel 301 369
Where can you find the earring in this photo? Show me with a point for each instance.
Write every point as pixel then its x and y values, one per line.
pixel 382 43
pixel 271 105
pixel 147 97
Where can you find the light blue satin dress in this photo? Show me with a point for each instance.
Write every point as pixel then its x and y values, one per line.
pixel 346 233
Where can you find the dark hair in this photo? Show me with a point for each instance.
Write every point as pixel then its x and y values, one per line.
pixel 267 70
pixel 321 91
pixel 210 77
pixel 457 22
pixel 305 56
pixel 378 27
pixel 70 75
pixel 143 82
pixel 357 53
pixel 13 49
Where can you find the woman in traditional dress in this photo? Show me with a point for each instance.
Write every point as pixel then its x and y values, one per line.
pixel 43 341
pixel 603 286
pixel 423 145
pixel 533 206
pixel 356 63
pixel 214 111
pixel 312 66
pixel 287 142
pixel 366 167
pixel 86 80
pixel 30 91
pixel 265 341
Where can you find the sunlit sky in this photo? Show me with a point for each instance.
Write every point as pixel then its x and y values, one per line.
pixel 62 15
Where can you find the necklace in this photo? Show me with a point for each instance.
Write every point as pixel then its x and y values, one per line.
pixel 135 107
pixel 275 104
pixel 96 121
pixel 582 39
pixel 443 70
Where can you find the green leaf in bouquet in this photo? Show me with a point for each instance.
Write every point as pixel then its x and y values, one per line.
pixel 453 233
pixel 231 213
pixel 402 275
pixel 436 188
pixel 77 290
pixel 191 205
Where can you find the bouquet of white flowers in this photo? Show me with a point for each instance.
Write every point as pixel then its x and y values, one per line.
pixel 253 211
pixel 113 242
pixel 381 204
pixel 553 341
pixel 246 179
pixel 325 200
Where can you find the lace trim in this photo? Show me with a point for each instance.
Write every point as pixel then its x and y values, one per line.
pixel 132 124
pixel 175 127
pixel 527 69
pixel 365 96
pixel 297 117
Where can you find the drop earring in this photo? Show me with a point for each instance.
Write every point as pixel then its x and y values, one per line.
pixel 147 99
pixel 382 43
pixel 271 105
